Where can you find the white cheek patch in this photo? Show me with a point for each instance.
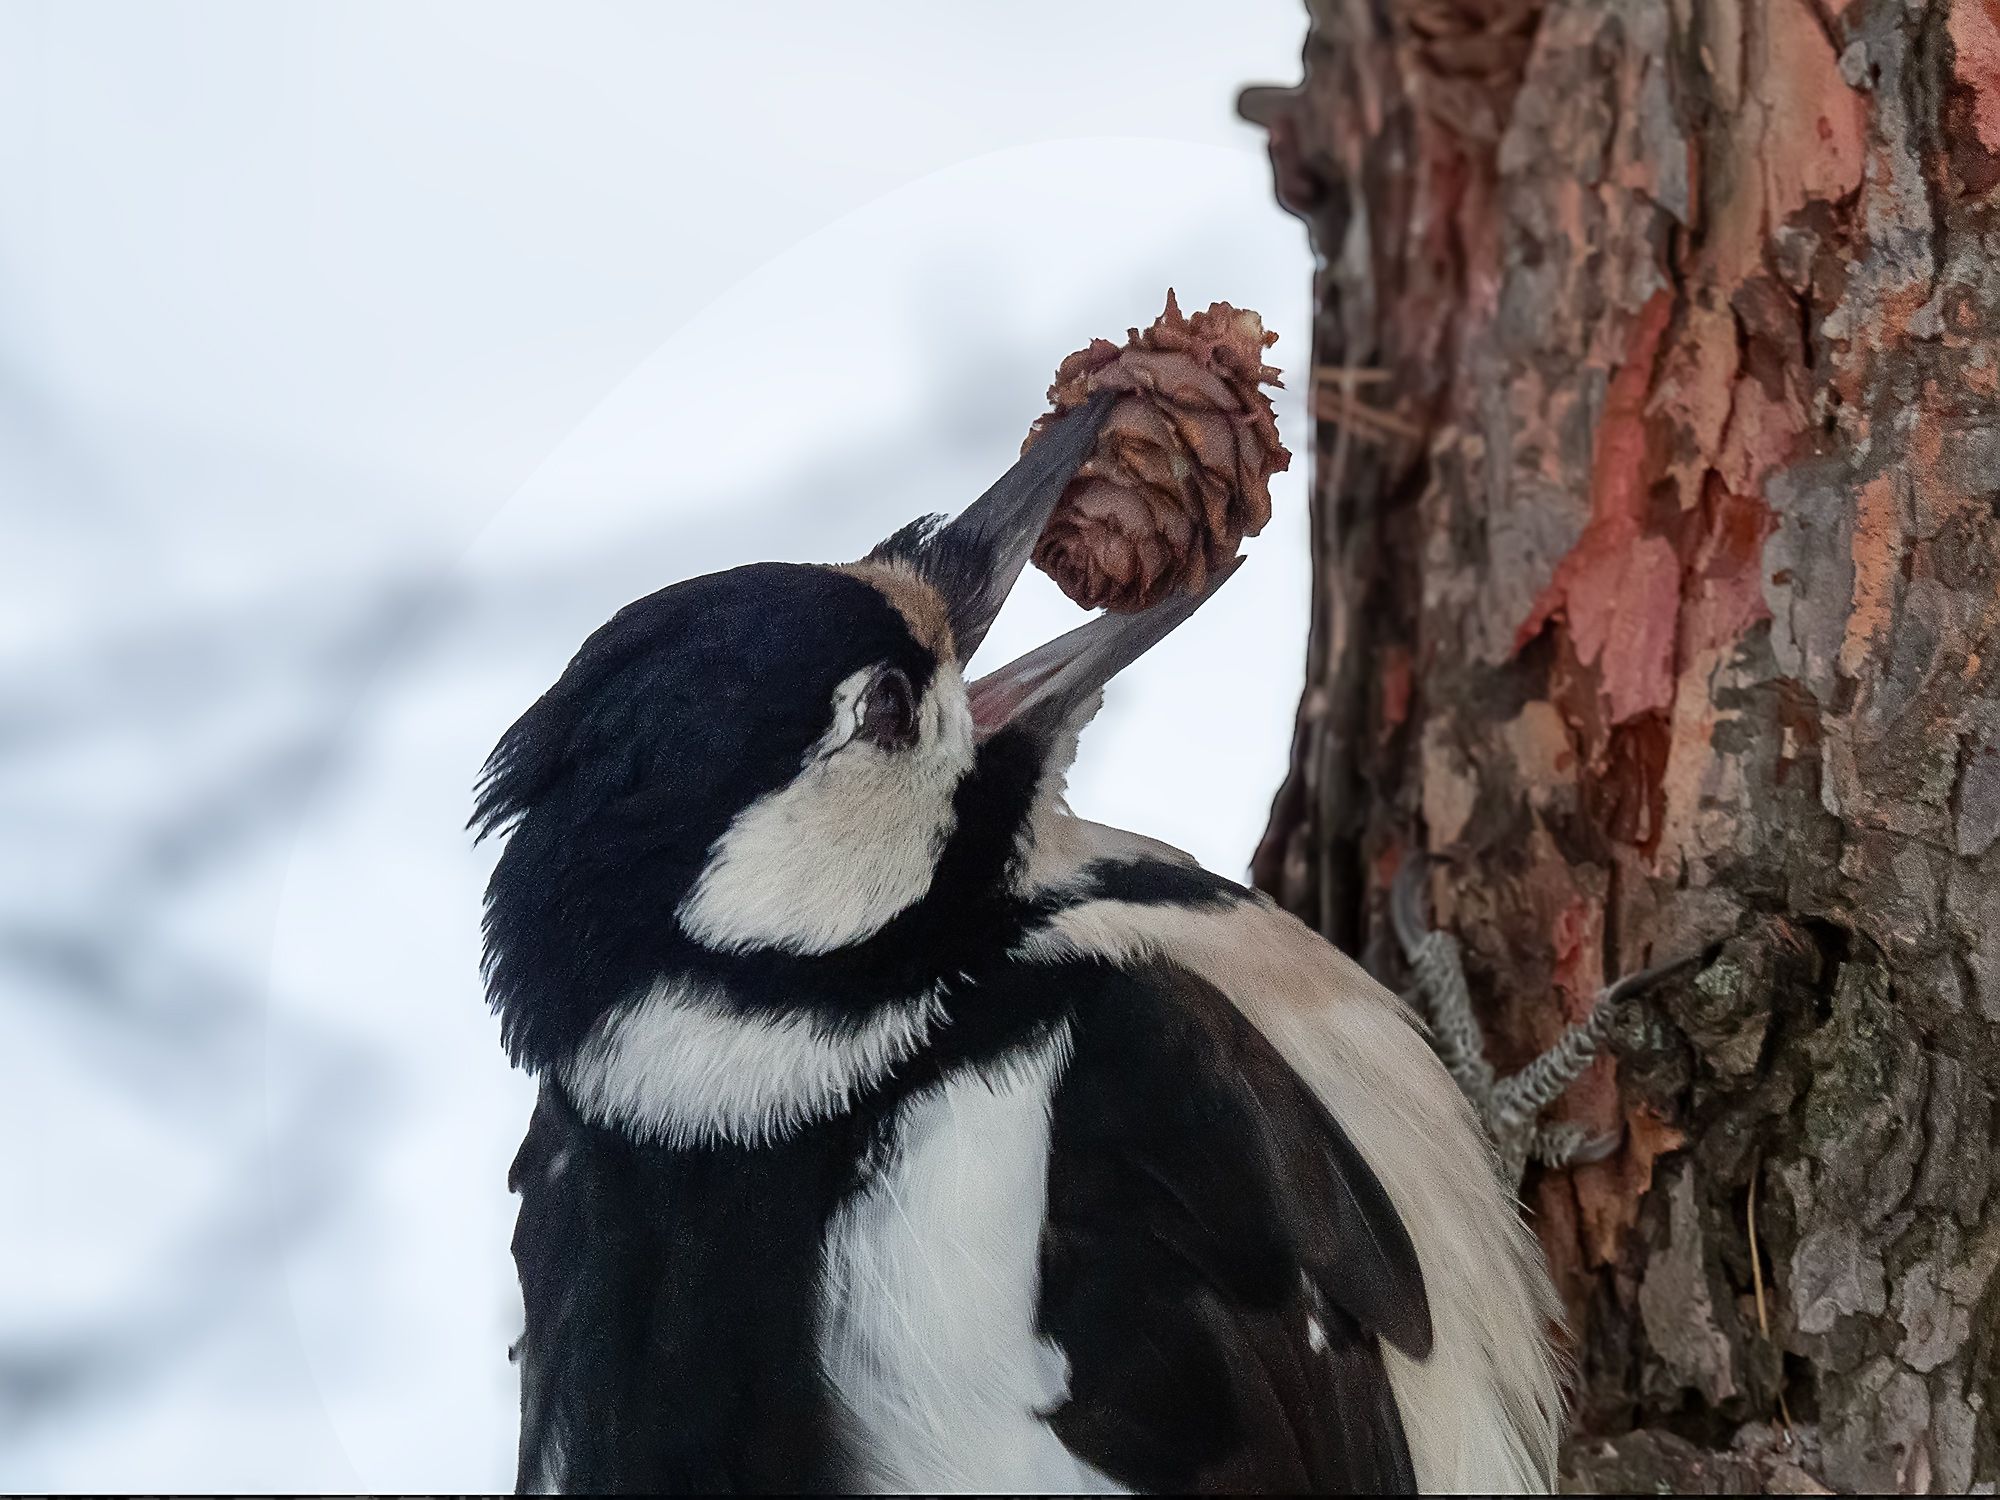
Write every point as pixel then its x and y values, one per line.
pixel 682 1067
pixel 830 857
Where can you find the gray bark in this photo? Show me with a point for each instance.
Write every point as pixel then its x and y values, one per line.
pixel 1657 598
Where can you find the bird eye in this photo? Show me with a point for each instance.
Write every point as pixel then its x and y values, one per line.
pixel 889 711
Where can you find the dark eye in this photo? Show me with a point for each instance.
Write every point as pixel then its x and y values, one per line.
pixel 889 711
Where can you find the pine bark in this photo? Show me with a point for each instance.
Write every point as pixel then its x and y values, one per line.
pixel 1657 598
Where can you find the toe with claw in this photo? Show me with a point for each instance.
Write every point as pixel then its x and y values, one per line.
pixel 1510 1108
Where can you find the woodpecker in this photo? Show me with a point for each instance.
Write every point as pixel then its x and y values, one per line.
pixel 899 1130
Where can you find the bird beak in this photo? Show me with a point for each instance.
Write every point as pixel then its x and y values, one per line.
pixel 974 561
pixel 1042 691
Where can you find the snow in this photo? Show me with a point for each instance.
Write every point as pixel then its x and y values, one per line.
pixel 355 362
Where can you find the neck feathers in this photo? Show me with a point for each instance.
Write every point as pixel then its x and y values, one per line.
pixel 588 927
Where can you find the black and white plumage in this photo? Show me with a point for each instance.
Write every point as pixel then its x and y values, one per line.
pixel 900 1131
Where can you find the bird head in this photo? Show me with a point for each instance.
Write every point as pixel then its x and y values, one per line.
pixel 786 763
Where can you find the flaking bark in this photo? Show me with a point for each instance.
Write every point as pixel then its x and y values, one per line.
pixel 1657 597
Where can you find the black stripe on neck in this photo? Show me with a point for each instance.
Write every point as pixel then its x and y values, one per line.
pixel 592 933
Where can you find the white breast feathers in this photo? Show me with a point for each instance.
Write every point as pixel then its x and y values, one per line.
pixel 930 1287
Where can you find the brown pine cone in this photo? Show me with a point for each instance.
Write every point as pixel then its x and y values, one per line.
pixel 1183 466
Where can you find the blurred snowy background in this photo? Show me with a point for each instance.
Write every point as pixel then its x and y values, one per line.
pixel 355 361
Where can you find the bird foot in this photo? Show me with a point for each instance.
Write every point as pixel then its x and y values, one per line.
pixel 1565 1143
pixel 1510 1108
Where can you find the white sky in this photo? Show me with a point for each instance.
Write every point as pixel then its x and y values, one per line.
pixel 507 314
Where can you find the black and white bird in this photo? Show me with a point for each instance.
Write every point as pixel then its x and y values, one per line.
pixel 899 1130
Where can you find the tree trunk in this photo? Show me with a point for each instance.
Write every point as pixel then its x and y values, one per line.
pixel 1657 598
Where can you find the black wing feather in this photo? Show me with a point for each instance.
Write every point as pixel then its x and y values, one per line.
pixel 669 1297
pixel 1219 1264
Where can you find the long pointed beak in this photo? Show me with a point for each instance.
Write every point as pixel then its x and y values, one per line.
pixel 1042 691
pixel 974 560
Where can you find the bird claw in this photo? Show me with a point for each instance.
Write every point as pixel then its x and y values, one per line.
pixel 1568 1144
pixel 1509 1108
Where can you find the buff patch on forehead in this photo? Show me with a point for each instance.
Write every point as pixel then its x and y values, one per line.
pixel 920 605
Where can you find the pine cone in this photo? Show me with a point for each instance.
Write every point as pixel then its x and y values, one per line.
pixel 1183 466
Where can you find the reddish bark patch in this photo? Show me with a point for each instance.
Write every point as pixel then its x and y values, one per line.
pixel 1578 940
pixel 1815 138
pixel 1608 1193
pixel 1628 799
pixel 1975 39
pixel 1726 567
pixel 1396 682
pixel 1878 558
pixel 1619 588
pixel 1558 1227
pixel 1388 861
